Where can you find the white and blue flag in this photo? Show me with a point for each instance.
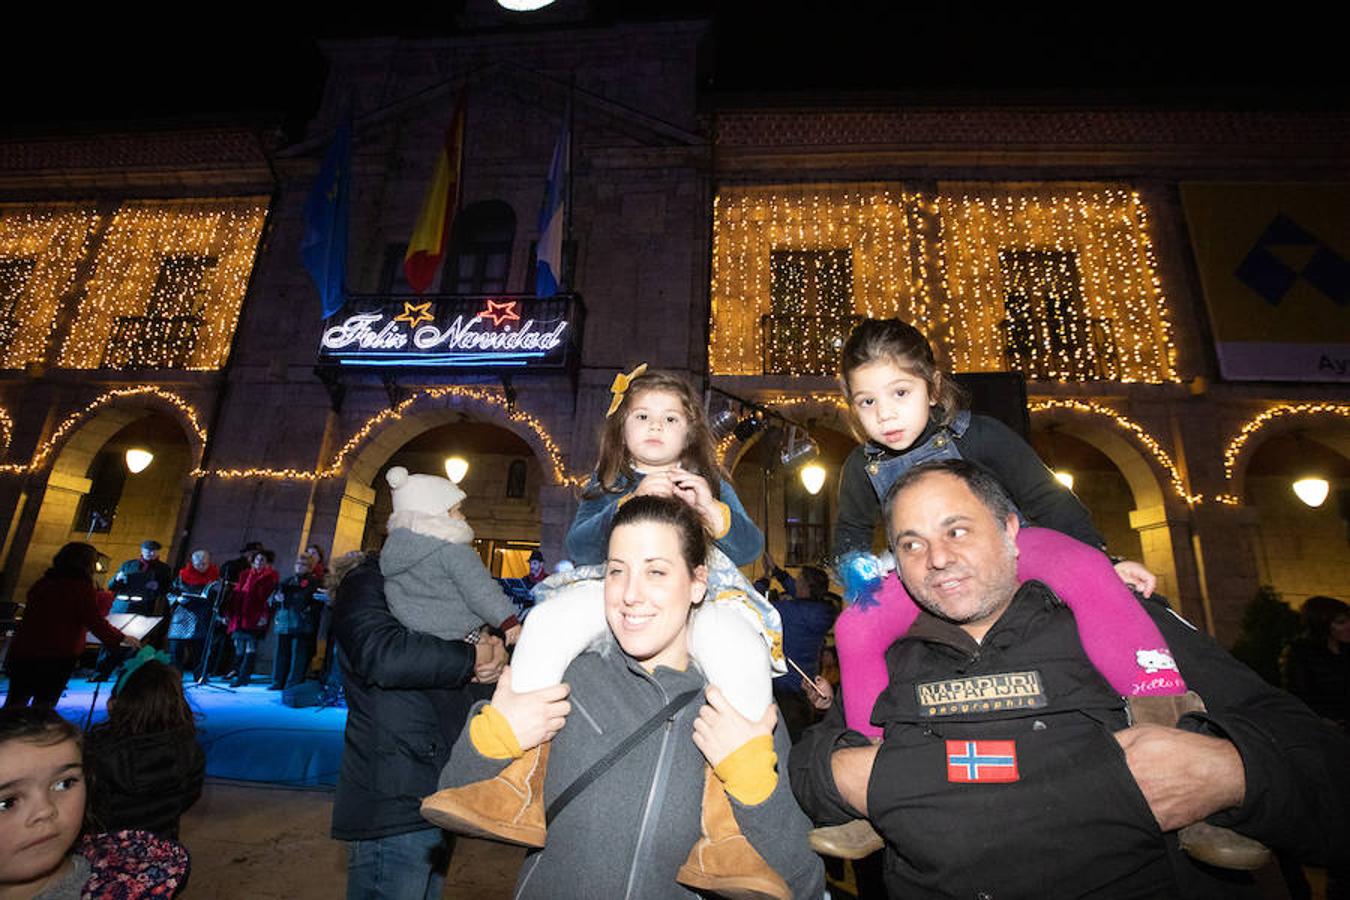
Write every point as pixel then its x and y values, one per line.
pixel 553 217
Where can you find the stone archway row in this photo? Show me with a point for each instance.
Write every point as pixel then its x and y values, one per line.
pixel 498 403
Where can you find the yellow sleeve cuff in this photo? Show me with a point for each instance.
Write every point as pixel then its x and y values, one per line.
pixel 726 520
pixel 750 772
pixel 492 736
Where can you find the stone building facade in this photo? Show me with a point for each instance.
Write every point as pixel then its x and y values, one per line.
pixel 729 238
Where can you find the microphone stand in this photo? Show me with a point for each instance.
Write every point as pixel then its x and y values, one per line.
pixel 203 679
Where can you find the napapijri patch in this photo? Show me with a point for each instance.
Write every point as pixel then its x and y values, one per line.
pixel 985 762
pixel 981 693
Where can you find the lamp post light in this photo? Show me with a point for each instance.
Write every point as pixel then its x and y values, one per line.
pixel 1312 490
pixel 456 467
pixel 138 459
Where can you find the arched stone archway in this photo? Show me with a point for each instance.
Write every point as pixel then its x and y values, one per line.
pixel 469 426
pixel 86 455
pixel 1299 550
pixel 1160 517
pixel 1324 423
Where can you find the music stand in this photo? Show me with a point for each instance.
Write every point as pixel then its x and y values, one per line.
pixel 203 678
pixel 133 625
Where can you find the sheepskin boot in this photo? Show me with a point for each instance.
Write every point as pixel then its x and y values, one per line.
pixel 1207 843
pixel 509 807
pixel 723 862
pixel 852 840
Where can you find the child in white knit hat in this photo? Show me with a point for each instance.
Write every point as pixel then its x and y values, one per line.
pixel 434 581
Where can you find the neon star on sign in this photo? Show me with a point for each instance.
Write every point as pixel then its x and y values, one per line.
pixel 415 314
pixel 499 312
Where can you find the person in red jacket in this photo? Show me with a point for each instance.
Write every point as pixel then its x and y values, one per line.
pixel 248 614
pixel 61 607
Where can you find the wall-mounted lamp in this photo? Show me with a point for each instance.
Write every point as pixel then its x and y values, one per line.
pixel 1064 477
pixel 456 467
pixel 1312 490
pixel 813 477
pixel 138 459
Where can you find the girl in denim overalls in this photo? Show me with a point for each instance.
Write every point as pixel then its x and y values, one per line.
pixel 907 411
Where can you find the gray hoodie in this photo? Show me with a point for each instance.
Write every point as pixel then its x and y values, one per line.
pixel 440 588
pixel 628 832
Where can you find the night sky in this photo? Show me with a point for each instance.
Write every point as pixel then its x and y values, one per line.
pixel 258 68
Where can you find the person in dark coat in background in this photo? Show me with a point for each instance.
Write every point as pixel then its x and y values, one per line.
pixel 1317 665
pixel 1316 670
pixel 400 685
pixel 145 579
pixel 233 569
pixel 146 767
pixel 61 607
pixel 297 623
pixel 808 612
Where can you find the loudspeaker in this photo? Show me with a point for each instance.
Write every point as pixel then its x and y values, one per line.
pixel 1000 395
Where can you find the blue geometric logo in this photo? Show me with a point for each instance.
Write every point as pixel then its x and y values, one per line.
pixel 1271 276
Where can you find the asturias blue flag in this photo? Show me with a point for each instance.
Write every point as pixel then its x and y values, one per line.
pixel 324 248
pixel 553 217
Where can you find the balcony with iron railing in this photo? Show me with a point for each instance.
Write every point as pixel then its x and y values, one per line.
pixel 803 345
pixel 151 342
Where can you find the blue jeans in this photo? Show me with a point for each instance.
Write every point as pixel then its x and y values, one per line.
pixel 398 867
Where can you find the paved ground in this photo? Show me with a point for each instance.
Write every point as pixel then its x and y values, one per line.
pixel 269 843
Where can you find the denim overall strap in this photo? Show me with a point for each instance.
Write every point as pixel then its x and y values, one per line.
pixel 941 444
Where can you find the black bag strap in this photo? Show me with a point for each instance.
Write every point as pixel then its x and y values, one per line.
pixel 618 752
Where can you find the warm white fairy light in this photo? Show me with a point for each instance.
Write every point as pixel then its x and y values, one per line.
pixel 6 431
pixel 136 264
pixel 335 467
pixel 493 399
pixel 944 262
pixel 851 243
pixel 58 437
pixel 40 252
pixel 1086 251
pixel 1148 441
pixel 1233 452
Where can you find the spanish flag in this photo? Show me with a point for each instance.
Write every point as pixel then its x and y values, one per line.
pixel 426 247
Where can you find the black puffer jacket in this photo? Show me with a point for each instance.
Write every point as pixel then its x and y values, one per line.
pixel 401 685
pixel 143 781
pixel 1057 813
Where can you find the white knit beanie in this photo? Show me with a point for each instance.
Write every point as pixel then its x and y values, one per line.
pixel 429 494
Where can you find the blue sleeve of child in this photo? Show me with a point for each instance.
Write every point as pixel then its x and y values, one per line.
pixel 587 539
pixel 743 543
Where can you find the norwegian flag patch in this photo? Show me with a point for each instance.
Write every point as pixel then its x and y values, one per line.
pixel 983 762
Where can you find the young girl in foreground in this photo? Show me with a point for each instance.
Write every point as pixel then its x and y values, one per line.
pixel 42 806
pixel 656 442
pixel 146 765
pixel 909 412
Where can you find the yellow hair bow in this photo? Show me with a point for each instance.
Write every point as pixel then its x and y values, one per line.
pixel 619 387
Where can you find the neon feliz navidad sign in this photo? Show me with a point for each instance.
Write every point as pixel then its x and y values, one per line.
pixel 494 336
